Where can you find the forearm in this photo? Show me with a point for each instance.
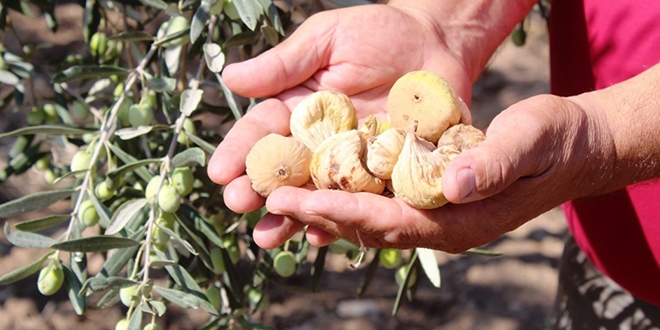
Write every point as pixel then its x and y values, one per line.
pixel 472 30
pixel 630 112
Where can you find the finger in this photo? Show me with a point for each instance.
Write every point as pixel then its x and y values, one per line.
pixel 518 144
pixel 319 237
pixel 239 196
pixel 274 230
pixel 288 64
pixel 286 201
pixel 228 160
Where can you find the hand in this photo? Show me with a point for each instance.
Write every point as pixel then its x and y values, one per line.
pixel 333 50
pixel 537 154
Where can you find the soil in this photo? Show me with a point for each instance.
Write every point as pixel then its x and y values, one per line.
pixel 513 291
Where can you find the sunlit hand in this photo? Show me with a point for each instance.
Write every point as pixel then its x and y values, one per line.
pixel 537 154
pixel 333 50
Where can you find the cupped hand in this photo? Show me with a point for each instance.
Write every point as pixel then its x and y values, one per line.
pixel 537 154
pixel 333 50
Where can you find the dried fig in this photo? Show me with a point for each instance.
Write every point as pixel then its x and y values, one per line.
pixel 321 115
pixel 337 164
pixel 276 161
pixel 417 175
pixel 427 98
pixel 462 136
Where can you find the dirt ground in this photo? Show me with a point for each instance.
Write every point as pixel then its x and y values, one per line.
pixel 514 291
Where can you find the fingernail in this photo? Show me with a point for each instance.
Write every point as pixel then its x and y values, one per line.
pixel 466 184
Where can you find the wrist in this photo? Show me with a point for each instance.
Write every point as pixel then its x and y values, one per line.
pixel 627 115
pixel 470 30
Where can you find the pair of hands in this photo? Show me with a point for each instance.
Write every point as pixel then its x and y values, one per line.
pixel 531 161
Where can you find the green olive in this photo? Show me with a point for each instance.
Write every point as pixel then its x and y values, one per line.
pixel 151 99
pixel 36 116
pixel 3 63
pixel 80 110
pixel 87 213
pixel 42 163
pixel 122 324
pixel 217 260
pixel 175 25
pixel 233 250
pixel 126 295
pixel 50 112
pixel 152 188
pixel 140 115
pixel 213 295
pixel 400 275
pixel 103 192
pixel 151 326
pixel 81 161
pixel 159 237
pixel 169 199
pixel 285 263
pixel 182 180
pixel 519 36
pixel 188 127
pixel 50 280
pixel 98 44
pixel 390 258
pixel 50 176
pixel 166 220
pixel 119 89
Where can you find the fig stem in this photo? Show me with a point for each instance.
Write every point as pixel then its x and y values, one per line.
pixel 363 251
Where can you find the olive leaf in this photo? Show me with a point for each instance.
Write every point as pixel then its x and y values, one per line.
pixel 159 306
pixel 129 167
pixel 162 84
pixel 135 322
pixel 403 287
pixel 249 11
pixel 214 57
pixel 132 36
pixel 95 244
pixel 133 132
pixel 27 239
pixel 80 72
pixel 158 4
pixel 231 101
pixel 371 272
pixel 43 223
pixel 209 148
pixel 124 214
pixel 199 21
pixel 73 286
pixel 189 157
pixel 8 78
pixel 33 202
pixel 128 159
pixel 46 129
pixel 185 300
pixel 25 271
pixel 190 99
pixel 430 265
pixel 103 211
pixel 483 252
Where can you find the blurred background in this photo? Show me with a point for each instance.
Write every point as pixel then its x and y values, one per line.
pixel 512 291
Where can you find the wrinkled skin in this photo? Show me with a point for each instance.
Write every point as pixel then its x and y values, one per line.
pixel 537 154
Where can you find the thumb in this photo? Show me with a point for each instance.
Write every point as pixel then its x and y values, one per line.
pixel 507 154
pixel 288 64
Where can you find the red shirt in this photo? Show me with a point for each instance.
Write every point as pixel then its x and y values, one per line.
pixel 594 44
